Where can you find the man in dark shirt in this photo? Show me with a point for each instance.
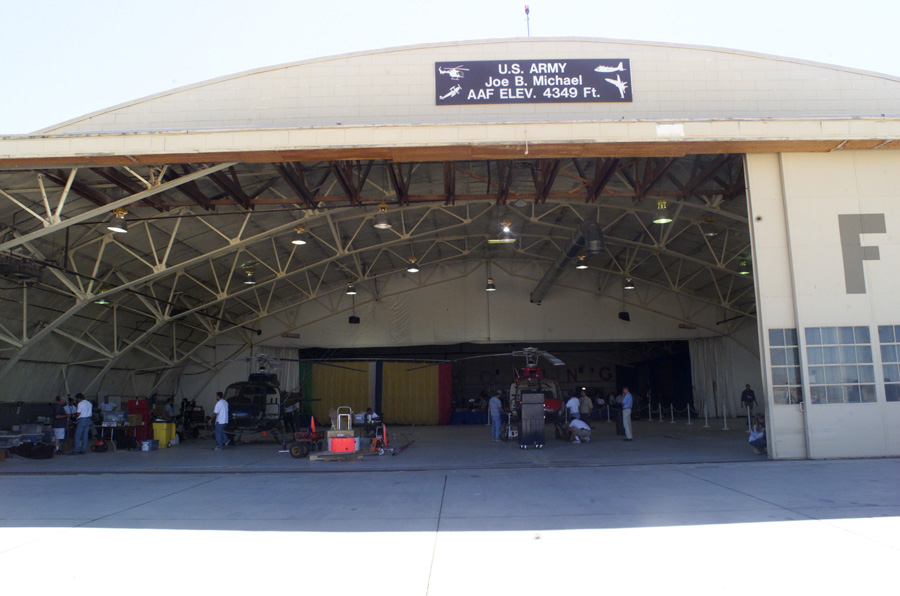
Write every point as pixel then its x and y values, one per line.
pixel 58 423
pixel 748 398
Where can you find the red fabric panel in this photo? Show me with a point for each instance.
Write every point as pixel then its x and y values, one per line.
pixel 445 387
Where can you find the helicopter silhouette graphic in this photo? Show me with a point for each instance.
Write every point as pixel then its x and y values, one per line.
pixel 456 72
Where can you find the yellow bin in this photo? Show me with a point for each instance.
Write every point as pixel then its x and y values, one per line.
pixel 163 432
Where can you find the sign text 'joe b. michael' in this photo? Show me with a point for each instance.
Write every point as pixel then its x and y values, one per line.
pixel 532 81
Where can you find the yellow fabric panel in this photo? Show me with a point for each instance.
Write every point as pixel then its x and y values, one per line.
pixel 339 384
pixel 409 393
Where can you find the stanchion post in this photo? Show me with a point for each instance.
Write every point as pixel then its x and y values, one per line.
pixel 672 413
pixel 725 417
pixel 749 423
pixel 705 416
pixel 689 414
pixel 660 412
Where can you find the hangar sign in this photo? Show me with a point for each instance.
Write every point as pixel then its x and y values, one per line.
pixel 532 81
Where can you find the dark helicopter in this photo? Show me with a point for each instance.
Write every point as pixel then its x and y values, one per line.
pixel 258 405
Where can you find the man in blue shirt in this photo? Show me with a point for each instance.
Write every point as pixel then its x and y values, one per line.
pixel 495 407
pixel 627 402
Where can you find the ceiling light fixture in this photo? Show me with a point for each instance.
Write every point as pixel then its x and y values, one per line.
pixel 629 283
pixel 581 264
pixel 709 227
pixel 299 241
pixel 662 213
pixel 506 236
pixel 490 287
pixel 249 280
pixel 118 223
pixel 413 265
pixel 382 222
pixel 743 267
pixel 101 299
pixel 351 290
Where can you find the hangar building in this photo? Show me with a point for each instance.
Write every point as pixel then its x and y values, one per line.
pixel 780 178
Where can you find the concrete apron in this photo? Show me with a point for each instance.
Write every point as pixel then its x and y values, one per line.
pixel 429 448
pixel 454 514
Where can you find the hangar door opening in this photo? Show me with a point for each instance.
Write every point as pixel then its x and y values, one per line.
pixel 505 262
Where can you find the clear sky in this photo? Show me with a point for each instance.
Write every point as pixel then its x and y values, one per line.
pixel 64 58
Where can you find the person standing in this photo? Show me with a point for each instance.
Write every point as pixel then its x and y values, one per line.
pixel 748 398
pixel 572 406
pixel 106 407
pixel 495 412
pixel 585 406
pixel 58 424
pixel 84 411
pixel 169 410
pixel 220 417
pixel 627 402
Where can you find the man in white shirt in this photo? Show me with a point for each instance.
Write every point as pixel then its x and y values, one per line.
pixel 220 417
pixel 579 431
pixel 106 406
pixel 85 410
pixel 572 407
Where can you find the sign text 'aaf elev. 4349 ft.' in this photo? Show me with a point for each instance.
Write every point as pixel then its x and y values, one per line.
pixel 532 81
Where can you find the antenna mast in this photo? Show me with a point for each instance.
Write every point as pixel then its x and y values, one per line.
pixel 527 20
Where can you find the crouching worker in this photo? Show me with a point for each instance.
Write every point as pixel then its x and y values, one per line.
pixel 579 431
pixel 758 434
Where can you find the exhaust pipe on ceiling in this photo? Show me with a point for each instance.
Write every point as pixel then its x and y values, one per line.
pixel 587 235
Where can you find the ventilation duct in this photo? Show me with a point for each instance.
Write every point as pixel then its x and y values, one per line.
pixel 587 235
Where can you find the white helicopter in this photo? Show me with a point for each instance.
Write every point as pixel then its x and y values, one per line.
pixel 456 72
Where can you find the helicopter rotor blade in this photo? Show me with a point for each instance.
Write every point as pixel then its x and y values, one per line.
pixel 552 359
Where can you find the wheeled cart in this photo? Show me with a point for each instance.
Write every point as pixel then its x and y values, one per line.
pixel 307 440
pixel 531 421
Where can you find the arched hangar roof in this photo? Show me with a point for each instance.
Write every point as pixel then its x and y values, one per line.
pixel 385 87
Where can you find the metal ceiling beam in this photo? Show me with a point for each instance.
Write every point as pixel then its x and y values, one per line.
pixel 293 176
pixel 191 190
pixel 109 207
pixel 115 177
pixel 399 184
pixel 449 183
pixel 603 173
pixel 232 187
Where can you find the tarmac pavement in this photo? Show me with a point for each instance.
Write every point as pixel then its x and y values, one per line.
pixel 679 508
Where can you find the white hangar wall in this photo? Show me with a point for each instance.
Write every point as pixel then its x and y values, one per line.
pixel 398 312
pixel 826 232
